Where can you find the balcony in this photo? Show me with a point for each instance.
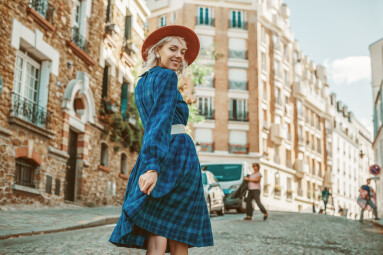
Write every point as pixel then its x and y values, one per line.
pixel 278 133
pixel 299 89
pixel 238 149
pixel 42 12
pixel 236 24
pixel 301 167
pixel 238 54
pixel 238 116
pixel 206 83
pixel 201 21
pixel 30 111
pixel 207 147
pixel 301 141
pixel 277 159
pixel 79 40
pixel 209 115
pixel 240 85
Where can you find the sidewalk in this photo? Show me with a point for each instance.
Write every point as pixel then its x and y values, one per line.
pixel 32 222
pixel 378 223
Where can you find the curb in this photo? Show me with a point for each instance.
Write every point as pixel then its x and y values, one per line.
pixel 97 223
pixel 375 223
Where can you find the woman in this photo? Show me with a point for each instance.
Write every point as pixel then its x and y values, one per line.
pixel 164 206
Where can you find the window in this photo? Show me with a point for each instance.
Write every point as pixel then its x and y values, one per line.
pixel 25 172
pixel 205 107
pixel 79 25
pixel 109 11
pixel 277 69
pixel 264 90
pixel 278 96
pixel 26 103
pixel 105 82
pixel 264 65
pixel 238 79
pixel 128 27
pixel 237 48
pixel 264 116
pixel 104 155
pixel 299 108
pixel 205 16
pixel 238 109
pixel 287 78
pixel 264 145
pixel 237 19
pixel 162 21
pixel 124 163
pixel 263 34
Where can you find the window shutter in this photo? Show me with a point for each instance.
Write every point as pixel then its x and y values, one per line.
pixel 128 27
pixel 233 20
pixel 207 16
pixel 239 19
pixel 108 11
pixel 200 15
pixel 124 99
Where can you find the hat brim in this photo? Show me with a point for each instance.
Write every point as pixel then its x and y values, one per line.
pixel 191 39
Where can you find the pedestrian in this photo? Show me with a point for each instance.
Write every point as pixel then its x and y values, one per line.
pixel 325 196
pixel 314 209
pixel 164 207
pixel 254 192
pixel 366 199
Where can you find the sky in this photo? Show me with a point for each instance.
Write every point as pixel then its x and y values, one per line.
pixel 337 34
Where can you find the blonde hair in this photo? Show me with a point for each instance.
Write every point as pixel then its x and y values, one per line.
pixel 152 61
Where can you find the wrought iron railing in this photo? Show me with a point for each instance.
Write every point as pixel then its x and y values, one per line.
pixel 242 85
pixel 238 116
pixel 238 54
pixel 238 148
pixel 79 39
pixel 30 111
pixel 209 115
pixel 207 147
pixel 206 83
pixel 24 174
pixel 238 24
pixel 205 21
pixel 44 8
pixel 127 48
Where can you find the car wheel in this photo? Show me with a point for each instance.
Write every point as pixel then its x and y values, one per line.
pixel 222 211
pixel 242 209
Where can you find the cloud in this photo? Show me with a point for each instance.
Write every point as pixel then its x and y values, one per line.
pixel 349 70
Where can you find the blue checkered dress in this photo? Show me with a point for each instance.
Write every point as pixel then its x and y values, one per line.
pixel 176 208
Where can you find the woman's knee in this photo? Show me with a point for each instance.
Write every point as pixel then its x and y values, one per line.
pixel 178 248
pixel 156 244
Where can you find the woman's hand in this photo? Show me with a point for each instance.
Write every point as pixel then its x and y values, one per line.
pixel 148 181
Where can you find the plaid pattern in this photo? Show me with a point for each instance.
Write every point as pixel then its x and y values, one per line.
pixel 176 208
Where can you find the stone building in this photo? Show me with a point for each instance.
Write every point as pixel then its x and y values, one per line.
pixel 60 60
pixel 376 55
pixel 265 101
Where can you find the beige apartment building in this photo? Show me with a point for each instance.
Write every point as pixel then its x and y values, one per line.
pixel 264 102
pixel 64 64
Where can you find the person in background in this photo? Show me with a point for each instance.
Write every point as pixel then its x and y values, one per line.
pixel 254 188
pixel 325 195
pixel 366 193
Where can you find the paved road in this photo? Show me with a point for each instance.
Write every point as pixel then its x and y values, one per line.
pixel 282 233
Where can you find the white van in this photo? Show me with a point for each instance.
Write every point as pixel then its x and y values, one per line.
pixel 230 176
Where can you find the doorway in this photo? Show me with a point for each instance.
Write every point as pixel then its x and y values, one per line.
pixel 70 177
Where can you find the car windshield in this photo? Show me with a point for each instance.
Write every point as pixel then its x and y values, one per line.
pixel 204 179
pixel 224 173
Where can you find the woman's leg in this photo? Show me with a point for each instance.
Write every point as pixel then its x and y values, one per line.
pixel 178 248
pixel 156 244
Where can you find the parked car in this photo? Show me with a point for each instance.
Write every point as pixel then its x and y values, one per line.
pixel 214 196
pixel 230 176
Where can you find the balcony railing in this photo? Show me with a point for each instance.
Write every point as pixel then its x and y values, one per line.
pixel 207 83
pixel 242 85
pixel 238 148
pixel 236 24
pixel 44 8
pixel 238 54
pixel 238 116
pixel 205 21
pixel 127 48
pixel 30 111
pixel 209 115
pixel 207 147
pixel 79 40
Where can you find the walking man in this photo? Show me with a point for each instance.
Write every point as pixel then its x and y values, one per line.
pixel 368 197
pixel 325 195
pixel 254 187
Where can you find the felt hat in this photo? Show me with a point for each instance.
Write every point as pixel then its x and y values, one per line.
pixel 191 39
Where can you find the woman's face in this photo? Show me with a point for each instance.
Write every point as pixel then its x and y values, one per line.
pixel 172 54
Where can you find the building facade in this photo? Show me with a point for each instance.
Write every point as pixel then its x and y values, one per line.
pixel 264 101
pixel 65 64
pixel 376 53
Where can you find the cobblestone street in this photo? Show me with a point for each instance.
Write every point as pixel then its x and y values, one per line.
pixel 282 233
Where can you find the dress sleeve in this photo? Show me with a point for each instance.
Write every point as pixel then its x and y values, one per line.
pixel 157 132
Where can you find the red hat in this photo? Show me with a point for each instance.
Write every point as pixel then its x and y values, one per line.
pixel 191 39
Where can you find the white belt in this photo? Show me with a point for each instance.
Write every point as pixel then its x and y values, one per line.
pixel 178 129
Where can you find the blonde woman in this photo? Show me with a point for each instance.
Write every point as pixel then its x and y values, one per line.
pixel 164 207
